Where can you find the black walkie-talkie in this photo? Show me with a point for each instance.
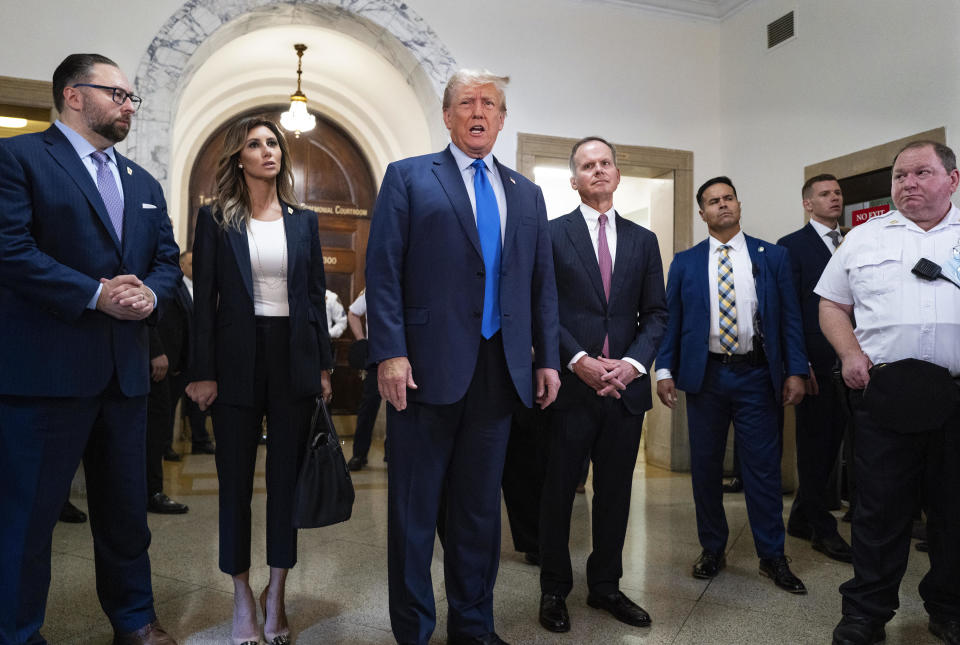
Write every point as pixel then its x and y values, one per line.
pixel 930 270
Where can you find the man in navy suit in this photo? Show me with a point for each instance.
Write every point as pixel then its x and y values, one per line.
pixel 87 258
pixel 460 287
pixel 612 317
pixel 820 416
pixel 734 344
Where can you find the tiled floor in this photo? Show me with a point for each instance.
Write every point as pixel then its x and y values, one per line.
pixel 338 591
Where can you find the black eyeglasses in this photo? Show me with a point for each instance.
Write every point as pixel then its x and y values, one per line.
pixel 119 95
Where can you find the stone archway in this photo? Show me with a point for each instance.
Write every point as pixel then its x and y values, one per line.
pixel 200 27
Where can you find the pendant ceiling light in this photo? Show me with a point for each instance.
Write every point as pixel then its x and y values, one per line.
pixel 298 119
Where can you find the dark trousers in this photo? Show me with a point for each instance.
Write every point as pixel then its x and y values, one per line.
pixel 890 468
pixel 742 394
pixel 523 473
pixel 42 441
pixel 820 425
pixel 366 415
pixel 605 430
pixel 158 432
pixel 237 430
pixel 460 446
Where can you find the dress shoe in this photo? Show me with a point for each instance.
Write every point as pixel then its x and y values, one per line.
pixel 800 530
pixel 857 630
pixel 486 639
pixel 160 503
pixel 553 613
pixel 356 463
pixel 532 557
pixel 171 455
pixel 71 514
pixel 946 630
pixel 205 448
pixel 708 565
pixel 621 607
pixel 833 546
pixel 922 546
pixel 735 485
pixel 778 570
pixel 152 634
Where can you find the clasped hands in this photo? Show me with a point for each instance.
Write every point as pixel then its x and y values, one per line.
pixel 605 376
pixel 125 297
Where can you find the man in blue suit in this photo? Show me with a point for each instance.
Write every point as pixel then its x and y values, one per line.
pixel 612 317
pixel 820 416
pixel 734 344
pixel 87 258
pixel 460 287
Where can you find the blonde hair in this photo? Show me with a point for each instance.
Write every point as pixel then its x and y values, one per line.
pixel 471 78
pixel 232 200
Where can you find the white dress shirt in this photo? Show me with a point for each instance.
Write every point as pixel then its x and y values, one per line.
pixel 824 232
pixel 592 217
pixel 466 172
pixel 898 314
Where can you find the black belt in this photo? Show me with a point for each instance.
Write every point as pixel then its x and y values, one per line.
pixel 755 357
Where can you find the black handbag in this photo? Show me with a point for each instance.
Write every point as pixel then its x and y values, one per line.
pixel 324 493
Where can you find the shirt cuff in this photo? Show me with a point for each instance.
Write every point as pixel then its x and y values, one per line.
pixel 576 357
pixel 636 364
pixel 154 296
pixel 663 374
pixel 96 296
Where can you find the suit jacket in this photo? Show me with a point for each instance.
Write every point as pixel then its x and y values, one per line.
pixel 684 347
pixel 171 336
pixel 808 257
pixel 635 317
pixel 224 324
pixel 56 242
pixel 425 278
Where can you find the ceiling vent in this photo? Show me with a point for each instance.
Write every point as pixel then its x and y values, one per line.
pixel 780 31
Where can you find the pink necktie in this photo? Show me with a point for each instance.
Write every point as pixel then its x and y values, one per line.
pixel 606 269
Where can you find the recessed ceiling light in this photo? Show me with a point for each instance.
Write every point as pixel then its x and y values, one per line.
pixel 12 122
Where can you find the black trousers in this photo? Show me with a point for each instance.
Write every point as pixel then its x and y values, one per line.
pixel 158 432
pixel 890 468
pixel 366 415
pixel 237 430
pixel 820 426
pixel 523 474
pixel 602 428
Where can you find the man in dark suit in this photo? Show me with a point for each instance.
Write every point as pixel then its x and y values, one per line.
pixel 734 344
pixel 612 317
pixel 87 256
pixel 820 416
pixel 460 287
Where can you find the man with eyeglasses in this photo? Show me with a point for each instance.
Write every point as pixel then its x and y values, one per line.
pixel 87 256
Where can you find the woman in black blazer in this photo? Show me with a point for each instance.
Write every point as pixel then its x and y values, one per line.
pixel 261 347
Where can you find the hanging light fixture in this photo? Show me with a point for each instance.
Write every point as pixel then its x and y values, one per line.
pixel 298 119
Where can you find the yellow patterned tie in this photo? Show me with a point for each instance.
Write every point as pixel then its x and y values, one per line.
pixel 728 302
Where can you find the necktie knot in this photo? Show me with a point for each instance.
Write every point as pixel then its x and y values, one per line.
pixel 478 165
pixel 603 219
pixel 834 237
pixel 100 157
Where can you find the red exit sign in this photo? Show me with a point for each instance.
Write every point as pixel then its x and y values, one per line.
pixel 864 214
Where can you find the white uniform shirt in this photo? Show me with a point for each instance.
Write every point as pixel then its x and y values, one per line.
pixel 336 316
pixel 898 314
pixel 359 308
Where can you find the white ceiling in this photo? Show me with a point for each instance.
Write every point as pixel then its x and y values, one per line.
pixel 713 10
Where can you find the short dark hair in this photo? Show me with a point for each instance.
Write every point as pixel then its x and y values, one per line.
pixel 75 68
pixel 807 191
pixel 576 146
pixel 710 182
pixel 947 158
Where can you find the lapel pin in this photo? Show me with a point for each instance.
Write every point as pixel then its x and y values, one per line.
pixel 129 170
pixel 290 210
pixel 760 249
pixel 512 180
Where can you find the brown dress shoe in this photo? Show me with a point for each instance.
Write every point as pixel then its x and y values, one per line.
pixel 151 634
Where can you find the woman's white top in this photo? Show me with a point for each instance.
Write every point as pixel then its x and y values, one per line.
pixel 269 261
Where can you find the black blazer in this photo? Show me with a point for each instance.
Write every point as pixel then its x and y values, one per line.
pixel 808 257
pixel 635 318
pixel 224 325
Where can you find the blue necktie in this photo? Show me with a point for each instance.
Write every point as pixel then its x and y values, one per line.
pixel 107 186
pixel 488 226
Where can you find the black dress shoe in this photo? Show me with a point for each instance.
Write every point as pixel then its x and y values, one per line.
pixel 205 448
pixel 486 639
pixel 778 570
pixel 735 485
pixel 160 503
pixel 356 463
pixel 708 565
pixel 553 613
pixel 621 607
pixel 946 630
pixel 802 531
pixel 152 634
pixel 833 546
pixel 857 630
pixel 71 514
pixel 532 557
pixel 171 455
